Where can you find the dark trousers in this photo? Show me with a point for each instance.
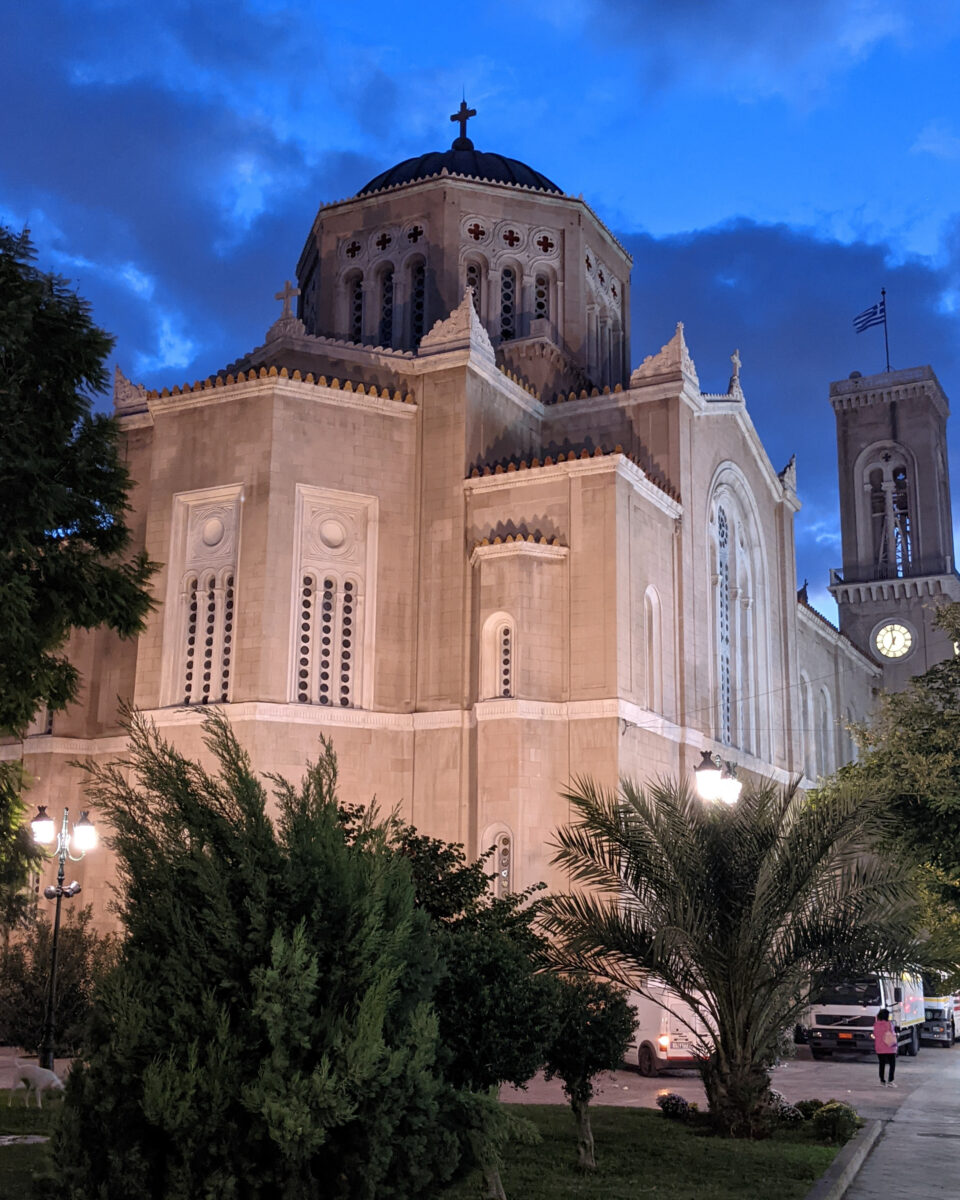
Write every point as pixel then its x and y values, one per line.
pixel 889 1060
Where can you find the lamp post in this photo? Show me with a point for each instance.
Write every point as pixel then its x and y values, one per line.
pixel 717 780
pixel 84 839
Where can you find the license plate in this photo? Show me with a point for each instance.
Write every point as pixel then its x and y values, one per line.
pixel 849 1036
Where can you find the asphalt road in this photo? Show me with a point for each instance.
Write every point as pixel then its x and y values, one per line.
pixel 854 1080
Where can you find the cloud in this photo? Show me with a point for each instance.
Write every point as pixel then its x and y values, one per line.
pixel 936 138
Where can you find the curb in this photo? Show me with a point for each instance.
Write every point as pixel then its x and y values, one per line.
pixel 833 1184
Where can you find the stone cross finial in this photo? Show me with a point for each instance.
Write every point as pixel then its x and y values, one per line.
pixel 463 115
pixel 286 296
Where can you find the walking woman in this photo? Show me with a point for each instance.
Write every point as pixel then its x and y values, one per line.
pixel 885 1044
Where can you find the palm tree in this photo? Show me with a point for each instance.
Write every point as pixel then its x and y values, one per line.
pixel 743 911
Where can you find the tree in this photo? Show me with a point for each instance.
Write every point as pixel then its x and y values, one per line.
pixel 743 911
pixel 63 490
pixel 593 1027
pixel 84 959
pixel 19 854
pixel 910 754
pixel 268 1030
pixel 494 1005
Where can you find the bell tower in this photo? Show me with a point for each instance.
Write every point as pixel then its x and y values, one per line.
pixel 895 519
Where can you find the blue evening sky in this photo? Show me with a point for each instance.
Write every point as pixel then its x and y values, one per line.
pixel 769 165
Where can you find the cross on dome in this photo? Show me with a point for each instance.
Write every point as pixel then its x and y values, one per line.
pixel 463 115
pixel 289 291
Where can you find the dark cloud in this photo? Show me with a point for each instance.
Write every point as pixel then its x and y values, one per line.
pixel 786 299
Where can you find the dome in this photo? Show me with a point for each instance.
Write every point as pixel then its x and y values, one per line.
pixel 462 159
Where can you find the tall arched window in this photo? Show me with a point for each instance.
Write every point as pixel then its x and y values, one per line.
pixel 498 653
pixel 508 303
pixel 653 647
pixel 355 313
pixel 741 652
pixel 500 839
pixel 825 733
pixel 723 628
pixel 418 301
pixel 386 307
pixel 209 602
pixel 808 729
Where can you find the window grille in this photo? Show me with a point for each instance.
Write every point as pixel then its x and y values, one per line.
pixel 337 656
pixel 386 308
pixel 503 857
pixel 506 661
pixel 418 291
pixel 356 309
pixel 305 647
pixel 225 657
pixel 474 281
pixel 508 303
pixel 541 297
pixel 723 627
pixel 191 641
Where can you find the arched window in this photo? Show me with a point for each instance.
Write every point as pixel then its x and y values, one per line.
pixel 825 733
pixel 498 657
pixel 508 303
pixel 474 279
pixel 807 729
pixel 888 488
pixel 386 308
pixel 355 314
pixel 723 628
pixel 653 646
pixel 500 839
pixel 740 649
pixel 418 301
pixel 541 297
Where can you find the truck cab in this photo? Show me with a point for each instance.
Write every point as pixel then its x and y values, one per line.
pixel 940 1023
pixel 841 1020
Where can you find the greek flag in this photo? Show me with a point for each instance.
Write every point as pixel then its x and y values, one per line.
pixel 876 314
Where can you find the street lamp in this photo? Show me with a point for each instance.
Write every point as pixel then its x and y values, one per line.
pixel 84 839
pixel 717 780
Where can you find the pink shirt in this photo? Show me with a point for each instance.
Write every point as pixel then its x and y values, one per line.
pixel 884 1037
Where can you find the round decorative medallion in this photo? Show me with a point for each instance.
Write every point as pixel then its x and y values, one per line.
pixel 212 532
pixel 894 641
pixel 332 534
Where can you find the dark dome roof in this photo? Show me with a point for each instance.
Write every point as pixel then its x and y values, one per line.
pixel 475 163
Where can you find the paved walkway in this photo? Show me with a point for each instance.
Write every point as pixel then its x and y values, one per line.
pixel 918 1154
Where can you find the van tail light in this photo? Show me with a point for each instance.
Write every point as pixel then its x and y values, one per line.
pixel 663 1041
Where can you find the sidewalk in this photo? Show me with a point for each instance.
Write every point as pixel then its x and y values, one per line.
pixel 918 1154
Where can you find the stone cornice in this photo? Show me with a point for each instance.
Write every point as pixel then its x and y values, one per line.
pixel 224 389
pixel 513 547
pixel 613 463
pixel 884 590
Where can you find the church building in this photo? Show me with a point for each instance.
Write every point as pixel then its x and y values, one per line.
pixel 444 516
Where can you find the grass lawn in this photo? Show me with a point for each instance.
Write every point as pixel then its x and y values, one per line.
pixel 641 1154
pixel 19 1164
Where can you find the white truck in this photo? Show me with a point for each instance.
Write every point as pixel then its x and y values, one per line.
pixel 841 1020
pixel 669 1034
pixel 939 1020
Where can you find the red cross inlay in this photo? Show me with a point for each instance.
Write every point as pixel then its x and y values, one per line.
pixel 589 263
pixel 383 241
pixel 353 249
pixel 600 276
pixel 545 244
pixel 477 231
pixel 511 237
pixel 415 234
pixel 614 290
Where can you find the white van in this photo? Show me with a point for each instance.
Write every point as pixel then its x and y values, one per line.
pixel 841 1021
pixel 669 1034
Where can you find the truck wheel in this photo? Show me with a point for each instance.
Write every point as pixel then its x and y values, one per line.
pixel 914 1044
pixel 647 1061
pixel 818 1054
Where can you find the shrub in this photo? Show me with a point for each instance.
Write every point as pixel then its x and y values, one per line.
pixel 835 1122
pixel 674 1107
pixel 789 1114
pixel 808 1107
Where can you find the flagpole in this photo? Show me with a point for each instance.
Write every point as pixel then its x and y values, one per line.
pixel 886 344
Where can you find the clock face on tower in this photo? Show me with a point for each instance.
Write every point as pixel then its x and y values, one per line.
pixel 894 641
